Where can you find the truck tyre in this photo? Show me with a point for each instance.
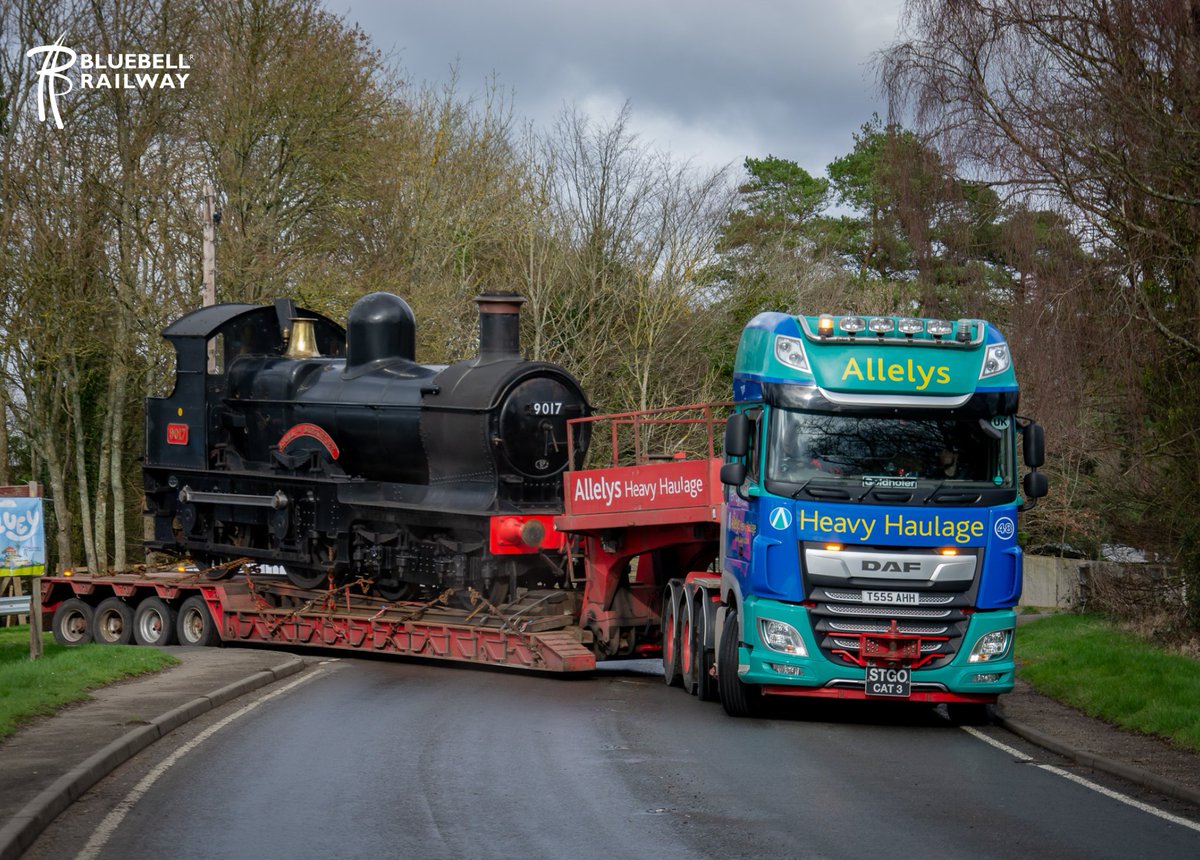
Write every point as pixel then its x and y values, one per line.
pixel 112 623
pixel 670 637
pixel 154 623
pixel 968 713
pixel 72 622
pixel 195 623
pixel 738 699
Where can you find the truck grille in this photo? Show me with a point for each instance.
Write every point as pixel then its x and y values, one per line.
pixel 839 618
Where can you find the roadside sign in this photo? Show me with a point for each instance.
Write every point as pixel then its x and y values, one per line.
pixel 22 537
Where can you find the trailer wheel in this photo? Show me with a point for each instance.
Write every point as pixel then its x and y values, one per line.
pixel 72 622
pixel 670 637
pixel 706 689
pixel 738 699
pixel 154 623
pixel 687 641
pixel 196 626
pixel 112 623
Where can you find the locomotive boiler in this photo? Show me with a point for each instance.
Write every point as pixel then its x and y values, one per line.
pixel 332 453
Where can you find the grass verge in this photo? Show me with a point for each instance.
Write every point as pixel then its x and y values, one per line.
pixel 1091 664
pixel 31 688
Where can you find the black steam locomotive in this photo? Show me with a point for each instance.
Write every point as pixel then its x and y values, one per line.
pixel 334 454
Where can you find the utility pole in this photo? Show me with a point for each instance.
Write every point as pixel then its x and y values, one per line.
pixel 209 218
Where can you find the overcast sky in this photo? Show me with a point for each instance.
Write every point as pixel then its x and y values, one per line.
pixel 710 80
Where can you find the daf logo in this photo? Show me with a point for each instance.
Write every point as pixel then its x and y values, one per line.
pixel 891 566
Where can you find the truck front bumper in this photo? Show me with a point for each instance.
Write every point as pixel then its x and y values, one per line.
pixel 781 673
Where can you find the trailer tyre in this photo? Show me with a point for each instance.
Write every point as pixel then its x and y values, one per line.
pixel 671 641
pixel 72 622
pixel 154 623
pixel 112 624
pixel 738 699
pixel 687 642
pixel 195 623
pixel 706 688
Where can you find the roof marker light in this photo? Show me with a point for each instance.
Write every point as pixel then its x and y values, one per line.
pixel 852 325
pixel 881 325
pixel 939 328
pixel 910 326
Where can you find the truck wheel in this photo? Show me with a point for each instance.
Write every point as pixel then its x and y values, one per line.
pixel 72 622
pixel 738 699
pixel 196 626
pixel 154 623
pixel 968 713
pixel 687 642
pixel 670 640
pixel 112 623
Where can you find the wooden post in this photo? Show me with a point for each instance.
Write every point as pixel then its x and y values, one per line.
pixel 35 617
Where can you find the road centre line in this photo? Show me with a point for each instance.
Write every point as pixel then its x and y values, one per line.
pixel 112 821
pixel 1086 783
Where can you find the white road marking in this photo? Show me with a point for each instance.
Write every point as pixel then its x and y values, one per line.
pixel 1086 783
pixel 113 820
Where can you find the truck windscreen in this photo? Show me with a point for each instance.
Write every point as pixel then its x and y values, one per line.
pixel 890 451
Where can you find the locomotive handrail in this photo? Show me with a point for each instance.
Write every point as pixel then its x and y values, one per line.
pixel 645 418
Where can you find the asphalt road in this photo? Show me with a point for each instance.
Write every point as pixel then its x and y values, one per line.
pixel 384 759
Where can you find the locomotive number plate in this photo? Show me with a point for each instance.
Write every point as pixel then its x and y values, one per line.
pixel 177 434
pixel 546 407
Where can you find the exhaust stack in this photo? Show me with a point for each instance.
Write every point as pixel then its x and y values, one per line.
pixel 499 326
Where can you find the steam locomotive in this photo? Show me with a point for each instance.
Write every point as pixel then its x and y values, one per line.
pixel 332 453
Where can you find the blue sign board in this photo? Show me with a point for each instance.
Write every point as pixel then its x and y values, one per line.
pixel 22 537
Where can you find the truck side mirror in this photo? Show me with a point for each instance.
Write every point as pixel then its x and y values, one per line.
pixel 1034 445
pixel 737 437
pixel 1036 485
pixel 733 474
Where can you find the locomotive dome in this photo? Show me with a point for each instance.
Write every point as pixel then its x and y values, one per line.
pixel 380 326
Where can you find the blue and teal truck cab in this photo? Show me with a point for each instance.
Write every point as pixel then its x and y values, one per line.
pixel 869 542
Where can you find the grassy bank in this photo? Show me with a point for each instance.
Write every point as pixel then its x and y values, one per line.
pixel 63 675
pixel 1094 666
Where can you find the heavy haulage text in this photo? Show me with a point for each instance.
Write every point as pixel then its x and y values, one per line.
pixel 602 489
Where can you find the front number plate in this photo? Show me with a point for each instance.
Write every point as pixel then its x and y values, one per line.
pixel 898 598
pixel 889 682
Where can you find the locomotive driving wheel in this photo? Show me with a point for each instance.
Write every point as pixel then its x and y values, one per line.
pixel 306 577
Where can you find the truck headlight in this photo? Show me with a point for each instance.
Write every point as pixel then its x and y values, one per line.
pixel 990 646
pixel 781 637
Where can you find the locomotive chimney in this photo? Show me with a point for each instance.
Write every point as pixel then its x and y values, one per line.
pixel 499 326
